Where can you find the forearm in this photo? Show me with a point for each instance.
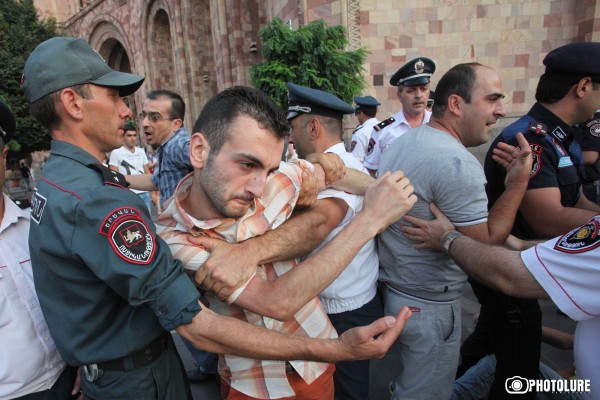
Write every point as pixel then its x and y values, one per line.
pixel 501 216
pixel 497 267
pixel 226 335
pixel 353 182
pixel 559 221
pixel 141 182
pixel 283 242
pixel 585 204
pixel 283 297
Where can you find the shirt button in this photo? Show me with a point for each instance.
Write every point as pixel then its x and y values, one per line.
pixel 33 305
pixel 162 311
pixel 17 271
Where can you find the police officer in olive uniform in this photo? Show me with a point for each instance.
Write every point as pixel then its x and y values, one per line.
pixel 108 287
pixel 412 80
pixel 365 111
pixel 567 93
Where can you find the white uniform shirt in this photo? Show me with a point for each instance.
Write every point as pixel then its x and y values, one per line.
pixel 129 163
pixel 568 268
pixel 380 140
pixel 360 138
pixel 29 361
pixel 356 285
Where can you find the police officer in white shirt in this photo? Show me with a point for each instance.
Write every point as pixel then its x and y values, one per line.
pixel 412 80
pixel 365 112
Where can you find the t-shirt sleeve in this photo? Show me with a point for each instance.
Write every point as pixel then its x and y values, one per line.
pixel 459 191
pixel 568 268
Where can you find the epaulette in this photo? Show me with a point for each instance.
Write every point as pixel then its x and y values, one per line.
pixel 538 128
pixel 22 203
pixel 384 123
pixel 109 176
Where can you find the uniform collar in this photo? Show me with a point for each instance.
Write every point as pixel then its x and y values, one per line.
pixel 71 151
pixel 557 128
pixel 12 213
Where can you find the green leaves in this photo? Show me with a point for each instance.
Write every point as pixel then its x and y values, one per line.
pixel 20 32
pixel 314 55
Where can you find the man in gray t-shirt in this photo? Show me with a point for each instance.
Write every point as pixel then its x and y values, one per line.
pixel 434 157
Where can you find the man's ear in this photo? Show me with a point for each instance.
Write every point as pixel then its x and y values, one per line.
pixel 584 85
pixel 71 103
pixel 314 126
pixel 199 150
pixel 455 103
pixel 177 123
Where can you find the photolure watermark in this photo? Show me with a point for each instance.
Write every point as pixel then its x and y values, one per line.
pixel 519 385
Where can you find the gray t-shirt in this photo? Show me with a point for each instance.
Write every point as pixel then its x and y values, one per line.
pixel 443 172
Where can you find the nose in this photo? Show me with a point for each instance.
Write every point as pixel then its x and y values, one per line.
pixel 257 185
pixel 500 110
pixel 125 111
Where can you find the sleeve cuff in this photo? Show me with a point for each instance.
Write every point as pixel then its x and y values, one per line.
pixel 178 304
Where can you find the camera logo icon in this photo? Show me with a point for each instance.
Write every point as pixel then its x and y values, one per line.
pixel 516 385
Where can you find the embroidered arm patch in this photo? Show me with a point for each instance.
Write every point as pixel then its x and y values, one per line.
pixel 129 235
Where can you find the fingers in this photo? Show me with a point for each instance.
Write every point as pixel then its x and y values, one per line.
pixel 389 328
pixel 208 243
pixel 524 148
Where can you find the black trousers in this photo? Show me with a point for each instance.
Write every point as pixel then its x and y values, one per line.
pixel 511 328
pixel 351 378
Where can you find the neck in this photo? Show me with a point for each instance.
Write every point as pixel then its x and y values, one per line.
pixel 415 120
pixel 201 207
pixel 131 149
pixel 562 111
pixel 325 144
pixel 442 126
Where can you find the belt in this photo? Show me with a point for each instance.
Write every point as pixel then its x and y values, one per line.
pixel 140 358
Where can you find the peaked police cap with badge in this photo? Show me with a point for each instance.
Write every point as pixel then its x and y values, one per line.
pixel 416 72
pixel 575 60
pixel 61 62
pixel 8 124
pixel 367 102
pixel 303 100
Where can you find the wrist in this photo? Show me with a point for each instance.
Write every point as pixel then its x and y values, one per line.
pixel 448 238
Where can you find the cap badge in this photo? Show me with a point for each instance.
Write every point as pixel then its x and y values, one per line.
pixel 419 67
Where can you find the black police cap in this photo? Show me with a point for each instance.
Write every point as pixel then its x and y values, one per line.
pixel 414 73
pixel 575 59
pixel 303 100
pixel 367 103
pixel 8 124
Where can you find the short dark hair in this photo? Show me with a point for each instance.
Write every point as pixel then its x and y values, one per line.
pixel 459 80
pixel 218 114
pixel 368 111
pixel 129 126
pixel 177 110
pixel 553 86
pixel 44 109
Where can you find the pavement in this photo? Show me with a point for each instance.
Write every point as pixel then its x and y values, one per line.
pixel 553 357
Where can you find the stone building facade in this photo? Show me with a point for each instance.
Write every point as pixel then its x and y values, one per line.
pixel 198 47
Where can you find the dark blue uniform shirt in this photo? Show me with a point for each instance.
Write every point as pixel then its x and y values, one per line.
pixel 556 160
pixel 107 285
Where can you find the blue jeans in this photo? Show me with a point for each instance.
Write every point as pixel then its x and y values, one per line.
pixel 145 196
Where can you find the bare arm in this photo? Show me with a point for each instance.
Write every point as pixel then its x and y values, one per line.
pixel 141 182
pixel 494 266
pixel 501 217
pixel 309 278
pixel 219 334
pixel 547 216
pixel 147 168
pixel 354 181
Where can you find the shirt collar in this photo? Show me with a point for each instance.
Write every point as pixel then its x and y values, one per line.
pixel 12 213
pixel 557 128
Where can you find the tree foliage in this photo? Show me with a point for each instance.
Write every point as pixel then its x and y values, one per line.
pixel 313 55
pixel 20 32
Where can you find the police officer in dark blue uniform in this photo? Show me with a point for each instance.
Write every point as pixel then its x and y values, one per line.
pixel 108 286
pixel 567 93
